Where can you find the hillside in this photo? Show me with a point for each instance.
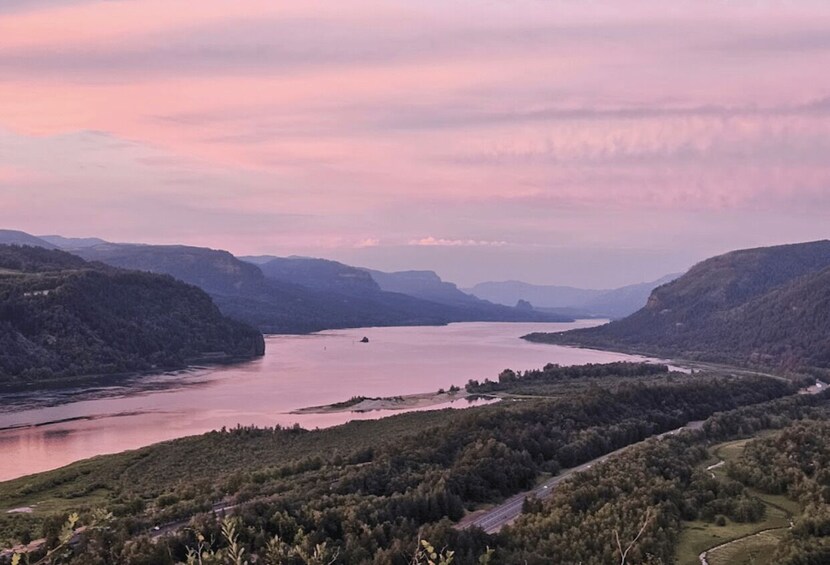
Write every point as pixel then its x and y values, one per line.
pixel 15 237
pixel 767 306
pixel 609 303
pixel 63 317
pixel 241 290
pixel 543 296
pixel 420 291
pixel 72 243
pixel 299 295
pixel 424 284
pixel 319 274
pixel 214 271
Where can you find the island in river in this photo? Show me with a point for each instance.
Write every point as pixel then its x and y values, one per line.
pixel 45 431
pixel 406 402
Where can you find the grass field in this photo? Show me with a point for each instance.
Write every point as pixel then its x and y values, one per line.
pixel 699 536
pixel 754 550
pixel 752 547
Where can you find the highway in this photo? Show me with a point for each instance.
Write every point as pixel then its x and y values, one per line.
pixel 494 519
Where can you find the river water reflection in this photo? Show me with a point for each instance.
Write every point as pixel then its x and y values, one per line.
pixel 296 372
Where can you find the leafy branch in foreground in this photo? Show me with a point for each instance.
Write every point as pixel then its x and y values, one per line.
pixel 624 552
pixel 277 552
pixel 68 534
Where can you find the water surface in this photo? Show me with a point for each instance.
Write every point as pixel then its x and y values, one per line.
pixel 46 431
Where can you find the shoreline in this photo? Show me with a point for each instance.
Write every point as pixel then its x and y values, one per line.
pixel 57 384
pixel 361 404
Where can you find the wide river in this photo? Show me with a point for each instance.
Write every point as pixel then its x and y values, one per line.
pixel 46 431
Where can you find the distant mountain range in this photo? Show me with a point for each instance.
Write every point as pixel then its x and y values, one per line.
pixel 63 317
pixel 764 307
pixel 384 298
pixel 323 274
pixel 570 301
pixel 303 294
pixel 71 243
pixel 428 286
pixel 295 294
pixel 14 237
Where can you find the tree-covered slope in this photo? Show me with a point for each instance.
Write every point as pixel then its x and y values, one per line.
pixel 418 292
pixel 61 316
pixel 240 289
pixel 295 295
pixel 369 490
pixel 766 306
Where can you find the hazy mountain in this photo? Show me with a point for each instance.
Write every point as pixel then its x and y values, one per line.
pixel 61 316
pixel 319 274
pixel 214 271
pixel 541 296
pixel 620 302
pixel 260 259
pixel 72 243
pixel 323 274
pixel 239 288
pixel 765 306
pixel 580 302
pixel 14 237
pixel 422 291
pixel 332 295
pixel 424 284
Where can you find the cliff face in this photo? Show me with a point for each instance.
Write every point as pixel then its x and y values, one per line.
pixel 767 306
pixel 62 317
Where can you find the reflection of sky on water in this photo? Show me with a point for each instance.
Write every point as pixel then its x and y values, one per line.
pixel 297 372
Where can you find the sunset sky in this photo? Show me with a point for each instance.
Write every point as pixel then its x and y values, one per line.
pixel 571 142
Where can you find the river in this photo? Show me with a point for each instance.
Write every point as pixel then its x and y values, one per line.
pixel 45 431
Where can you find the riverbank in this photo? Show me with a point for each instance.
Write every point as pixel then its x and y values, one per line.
pixel 296 372
pixel 404 402
pixel 96 381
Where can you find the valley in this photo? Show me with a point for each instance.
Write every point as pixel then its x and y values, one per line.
pixel 375 282
pixel 296 372
pixel 350 442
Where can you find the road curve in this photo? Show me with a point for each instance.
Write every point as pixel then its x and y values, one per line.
pixel 494 519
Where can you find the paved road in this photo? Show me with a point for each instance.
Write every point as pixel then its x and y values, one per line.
pixel 496 518
pixel 222 507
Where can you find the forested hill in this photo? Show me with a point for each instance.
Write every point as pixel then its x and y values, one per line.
pixel 63 317
pixel 295 295
pixel 764 307
pixel 395 289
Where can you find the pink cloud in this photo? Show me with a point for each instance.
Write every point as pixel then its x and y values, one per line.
pixel 314 124
pixel 367 242
pixel 443 242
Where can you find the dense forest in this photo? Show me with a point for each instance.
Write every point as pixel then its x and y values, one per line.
pixel 765 307
pixel 548 379
pixel 63 317
pixel 366 491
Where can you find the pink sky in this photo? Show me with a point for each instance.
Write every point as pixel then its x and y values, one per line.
pixel 564 142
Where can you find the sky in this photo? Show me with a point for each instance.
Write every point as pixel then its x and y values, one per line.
pixel 561 142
